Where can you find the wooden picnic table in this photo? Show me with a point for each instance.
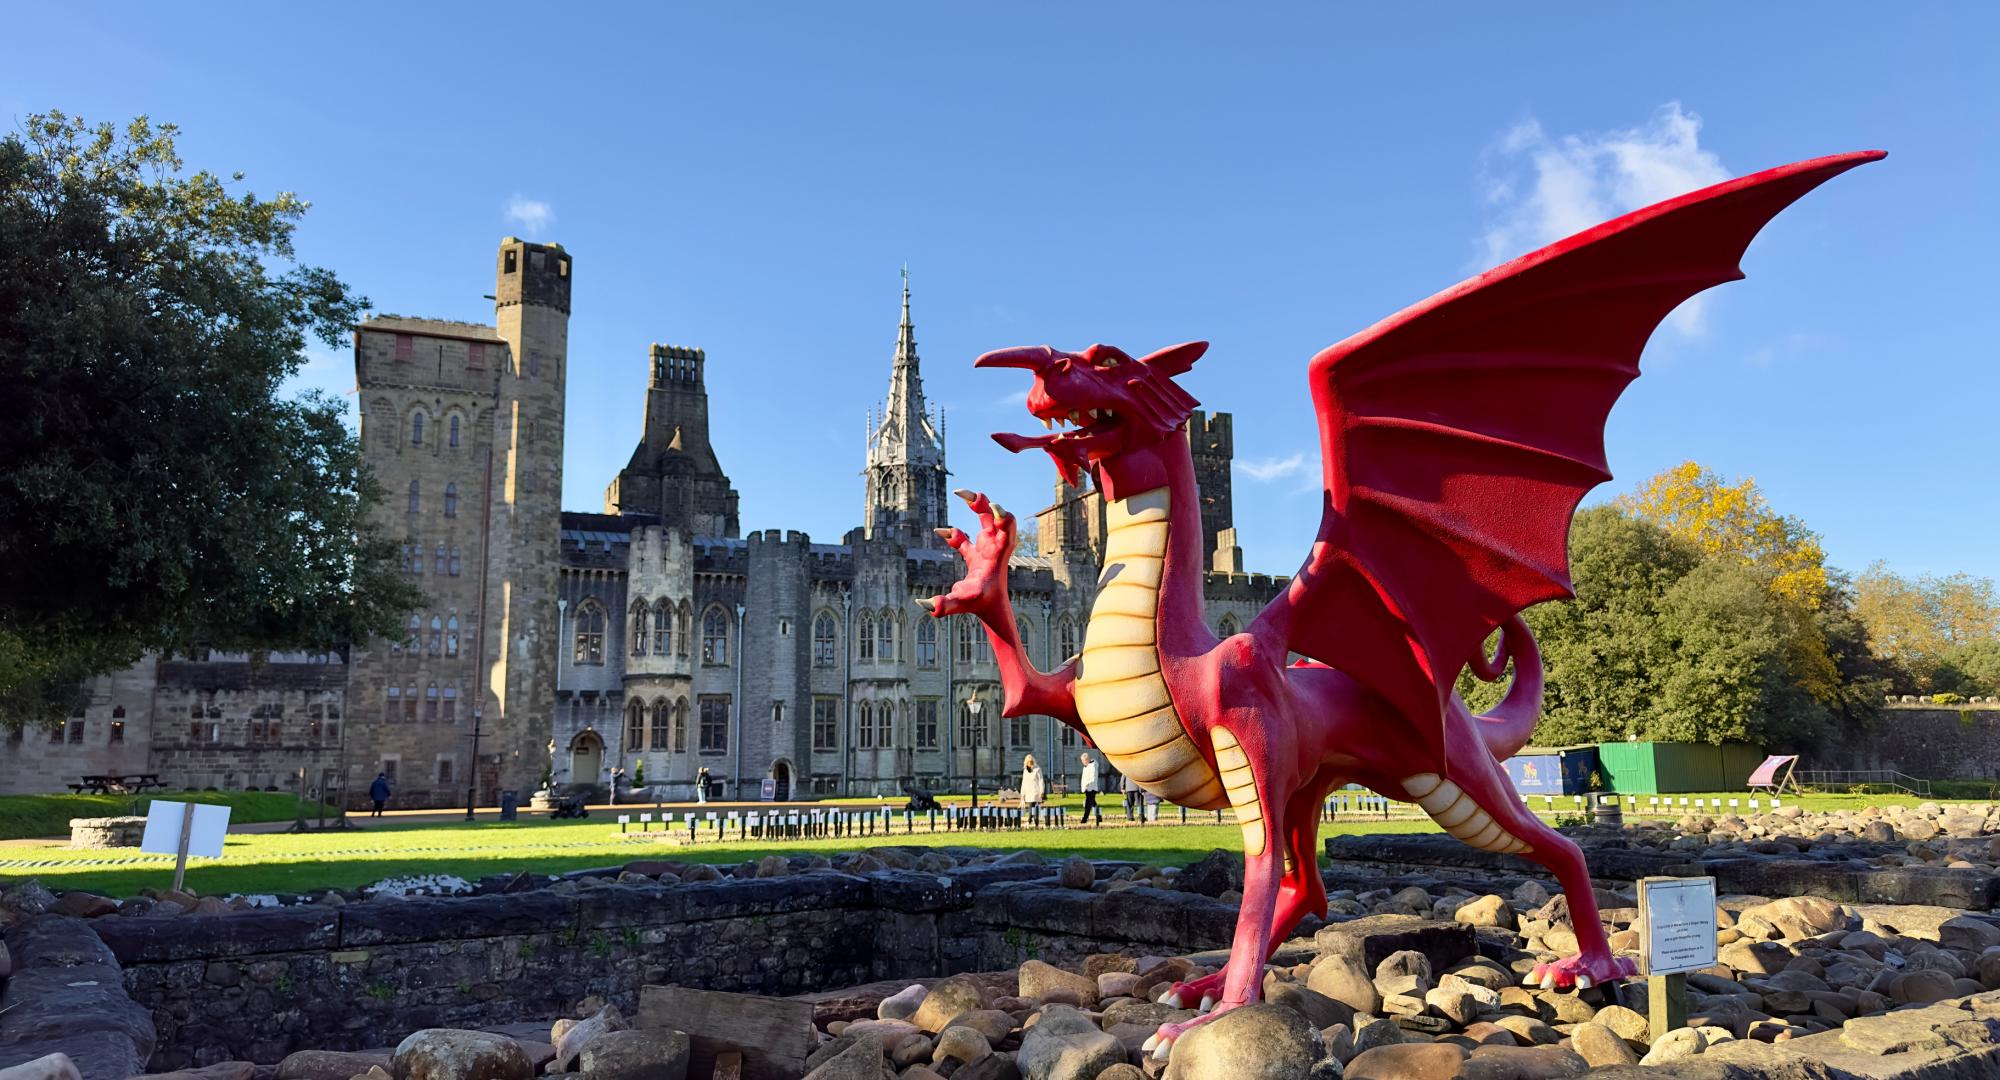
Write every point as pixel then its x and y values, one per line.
pixel 118 783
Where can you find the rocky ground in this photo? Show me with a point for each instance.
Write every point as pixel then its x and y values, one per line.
pixel 1421 980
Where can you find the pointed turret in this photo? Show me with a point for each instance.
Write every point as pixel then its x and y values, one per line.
pixel 905 495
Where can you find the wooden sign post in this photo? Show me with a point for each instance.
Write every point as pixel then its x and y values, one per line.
pixel 1676 936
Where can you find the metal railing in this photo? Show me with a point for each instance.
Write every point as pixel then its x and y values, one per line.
pixel 1879 778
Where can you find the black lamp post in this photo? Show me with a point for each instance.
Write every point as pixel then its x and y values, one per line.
pixel 978 740
pixel 472 773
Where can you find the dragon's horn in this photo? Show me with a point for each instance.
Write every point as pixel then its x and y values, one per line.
pixel 1176 359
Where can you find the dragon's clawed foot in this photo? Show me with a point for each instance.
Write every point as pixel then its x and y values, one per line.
pixel 1161 1043
pixel 986 555
pixel 1197 994
pixel 1582 971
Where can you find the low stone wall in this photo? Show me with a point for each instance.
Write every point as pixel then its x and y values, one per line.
pixel 64 996
pixel 257 985
pixel 106 832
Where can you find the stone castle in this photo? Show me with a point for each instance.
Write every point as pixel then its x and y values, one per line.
pixel 653 637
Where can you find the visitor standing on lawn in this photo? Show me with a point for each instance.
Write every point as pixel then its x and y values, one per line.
pixel 701 785
pixel 1034 786
pixel 379 791
pixel 1132 796
pixel 1090 789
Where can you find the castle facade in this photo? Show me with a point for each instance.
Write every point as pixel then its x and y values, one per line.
pixel 653 637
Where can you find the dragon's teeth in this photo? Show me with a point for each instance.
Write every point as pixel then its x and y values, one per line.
pixel 1048 424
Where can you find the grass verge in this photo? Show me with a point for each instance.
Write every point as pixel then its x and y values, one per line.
pixel 24 817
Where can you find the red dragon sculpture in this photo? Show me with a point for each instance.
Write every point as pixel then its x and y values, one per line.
pixel 1457 438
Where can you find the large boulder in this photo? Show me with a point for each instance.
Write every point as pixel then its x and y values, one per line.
pixel 56 1066
pixel 1213 874
pixel 1407 1061
pixel 948 999
pixel 1344 980
pixel 1256 1042
pixel 861 1060
pixel 1042 981
pixel 331 1064
pixel 1598 1045
pixel 635 1055
pixel 1065 1044
pixel 451 1054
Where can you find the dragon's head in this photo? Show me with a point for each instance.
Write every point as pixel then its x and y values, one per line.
pixel 1121 409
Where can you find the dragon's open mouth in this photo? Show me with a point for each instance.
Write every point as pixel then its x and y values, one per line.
pixel 1085 430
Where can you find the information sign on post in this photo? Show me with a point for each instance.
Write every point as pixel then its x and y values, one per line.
pixel 182 829
pixel 769 791
pixel 1676 936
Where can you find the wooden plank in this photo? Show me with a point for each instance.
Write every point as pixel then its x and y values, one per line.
pixel 728 1066
pixel 1666 1003
pixel 774 1036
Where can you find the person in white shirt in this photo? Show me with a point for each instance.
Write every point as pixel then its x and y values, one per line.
pixel 1034 787
pixel 1090 789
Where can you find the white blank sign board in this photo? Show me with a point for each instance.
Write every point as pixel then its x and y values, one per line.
pixel 163 829
pixel 1677 924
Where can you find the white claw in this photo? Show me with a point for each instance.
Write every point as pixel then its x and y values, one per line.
pixel 1583 982
pixel 1164 1050
pixel 1171 1000
pixel 1151 1041
pixel 1207 1002
pixel 1549 981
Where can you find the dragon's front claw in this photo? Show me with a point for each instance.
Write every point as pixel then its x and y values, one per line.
pixel 1582 971
pixel 1203 991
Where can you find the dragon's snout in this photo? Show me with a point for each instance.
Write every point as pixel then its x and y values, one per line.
pixel 1031 357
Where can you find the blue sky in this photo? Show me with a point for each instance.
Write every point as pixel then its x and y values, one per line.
pixel 750 180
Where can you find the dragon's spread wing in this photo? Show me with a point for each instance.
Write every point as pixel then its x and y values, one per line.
pixel 1459 435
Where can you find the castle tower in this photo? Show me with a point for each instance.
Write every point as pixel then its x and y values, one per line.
pixel 1211 443
pixel 905 491
pixel 522 624
pixel 673 476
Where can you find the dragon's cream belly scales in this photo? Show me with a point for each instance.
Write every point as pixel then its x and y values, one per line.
pixel 1121 696
pixel 1461 817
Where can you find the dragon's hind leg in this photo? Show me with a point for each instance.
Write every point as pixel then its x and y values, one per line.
pixel 1301 892
pixel 1249 767
pixel 1476 802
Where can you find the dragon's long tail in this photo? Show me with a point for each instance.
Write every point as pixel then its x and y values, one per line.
pixel 1512 722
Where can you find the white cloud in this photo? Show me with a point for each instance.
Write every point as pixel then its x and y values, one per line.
pixel 532 215
pixel 1541 188
pixel 1265 470
pixel 1016 400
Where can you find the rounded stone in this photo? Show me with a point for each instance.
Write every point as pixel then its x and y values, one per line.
pixel 1676 1045
pixel 961 1043
pixel 633 1055
pixel 1076 873
pixel 1408 1061
pixel 902 1004
pixel 947 1001
pixel 1255 1042
pixel 1488 910
pixel 1600 1046
pixel 450 1054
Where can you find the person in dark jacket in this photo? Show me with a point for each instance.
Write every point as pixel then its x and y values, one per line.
pixel 379 791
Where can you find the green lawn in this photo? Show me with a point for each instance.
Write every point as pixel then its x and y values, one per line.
pixel 27 816
pixel 283 862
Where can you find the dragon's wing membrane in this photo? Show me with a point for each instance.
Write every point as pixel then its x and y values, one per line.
pixel 1459 435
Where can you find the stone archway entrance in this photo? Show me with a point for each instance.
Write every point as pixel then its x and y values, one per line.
pixel 781 771
pixel 586 757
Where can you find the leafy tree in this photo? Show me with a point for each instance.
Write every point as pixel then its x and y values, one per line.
pixel 1734 521
pixel 1931 627
pixel 1969 669
pixel 155 488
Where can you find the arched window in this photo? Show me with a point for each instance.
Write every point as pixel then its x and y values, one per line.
pixel 451 704
pixel 885 637
pixel 416 630
pixel 686 637
pixel 431 700
pixel 663 627
pixel 589 633
pixel 864 635
pixel 437 566
pixel 864 727
pixel 454 430
pixel 968 628
pixel 663 715
pixel 417 428
pixel 410 702
pixel 714 637
pixel 823 640
pixel 455 562
pixel 680 732
pixel 437 636
pixel 451 500
pixel 885 725
pixel 640 625
pixel 451 636
pixel 1227 627
pixel 416 497
pixel 927 642
pixel 391 712
pixel 1021 628
pixel 635 726
pixel 1065 639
